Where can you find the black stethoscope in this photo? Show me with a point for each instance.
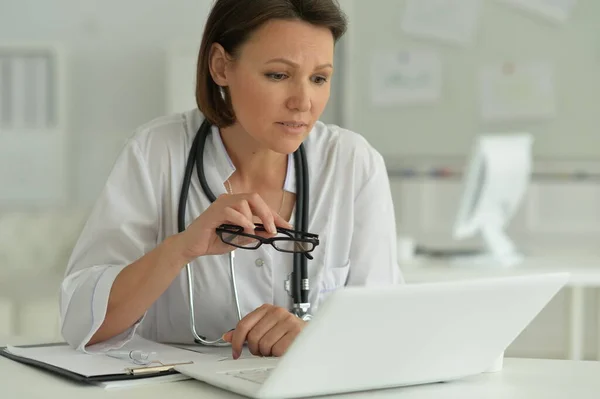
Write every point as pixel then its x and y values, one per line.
pixel 297 285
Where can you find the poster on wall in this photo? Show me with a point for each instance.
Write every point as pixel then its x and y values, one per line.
pixel 515 91
pixel 451 21
pixel 405 77
pixel 555 10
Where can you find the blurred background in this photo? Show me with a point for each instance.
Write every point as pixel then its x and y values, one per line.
pixel 420 79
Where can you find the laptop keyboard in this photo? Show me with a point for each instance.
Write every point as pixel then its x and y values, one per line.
pixel 258 375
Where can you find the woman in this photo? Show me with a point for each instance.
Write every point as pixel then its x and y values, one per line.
pixel 264 72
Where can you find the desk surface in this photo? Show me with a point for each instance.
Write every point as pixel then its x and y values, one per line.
pixel 584 268
pixel 520 378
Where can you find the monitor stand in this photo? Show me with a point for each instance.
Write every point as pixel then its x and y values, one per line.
pixel 501 251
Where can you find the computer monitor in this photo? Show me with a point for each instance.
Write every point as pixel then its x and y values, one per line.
pixel 494 184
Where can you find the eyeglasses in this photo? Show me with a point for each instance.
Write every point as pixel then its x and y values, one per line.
pixel 287 240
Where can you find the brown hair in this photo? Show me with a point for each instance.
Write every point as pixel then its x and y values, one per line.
pixel 231 22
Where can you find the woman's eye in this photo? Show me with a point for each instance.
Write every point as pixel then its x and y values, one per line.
pixel 320 80
pixel 276 76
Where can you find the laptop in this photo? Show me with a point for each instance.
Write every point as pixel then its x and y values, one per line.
pixel 365 338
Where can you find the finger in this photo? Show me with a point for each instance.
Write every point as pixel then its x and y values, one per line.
pixel 271 337
pixel 263 234
pixel 243 328
pixel 281 222
pixel 236 217
pixel 244 209
pixel 227 336
pixel 282 345
pixel 261 209
pixel 269 320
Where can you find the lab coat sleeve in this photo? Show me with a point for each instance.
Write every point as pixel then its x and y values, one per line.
pixel 373 256
pixel 121 228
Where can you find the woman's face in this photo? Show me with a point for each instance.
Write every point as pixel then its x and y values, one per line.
pixel 280 82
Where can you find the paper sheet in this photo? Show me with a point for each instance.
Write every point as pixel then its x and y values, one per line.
pixel 99 364
pixel 405 77
pixel 454 21
pixel 517 91
pixel 555 10
pixel 141 381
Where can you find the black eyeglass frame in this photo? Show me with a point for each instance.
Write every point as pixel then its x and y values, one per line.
pixel 292 236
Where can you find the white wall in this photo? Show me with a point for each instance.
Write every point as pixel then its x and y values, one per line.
pixel 117 74
pixel 504 34
pixel 116 67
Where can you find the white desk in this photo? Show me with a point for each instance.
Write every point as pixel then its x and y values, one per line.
pixel 520 378
pixel 583 266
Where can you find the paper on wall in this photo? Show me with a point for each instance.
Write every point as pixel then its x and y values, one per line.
pixel 517 91
pixel 405 77
pixel 555 10
pixel 453 21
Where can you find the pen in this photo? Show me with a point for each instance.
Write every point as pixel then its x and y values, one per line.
pixel 137 356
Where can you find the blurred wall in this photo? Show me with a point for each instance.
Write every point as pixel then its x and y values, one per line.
pixel 503 34
pixel 115 67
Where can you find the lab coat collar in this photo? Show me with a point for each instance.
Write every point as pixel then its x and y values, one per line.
pixel 225 167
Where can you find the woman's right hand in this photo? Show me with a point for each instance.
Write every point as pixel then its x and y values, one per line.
pixel 200 237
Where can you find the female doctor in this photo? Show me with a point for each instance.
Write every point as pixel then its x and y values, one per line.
pixel 263 79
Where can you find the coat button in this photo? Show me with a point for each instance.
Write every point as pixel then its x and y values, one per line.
pixel 259 262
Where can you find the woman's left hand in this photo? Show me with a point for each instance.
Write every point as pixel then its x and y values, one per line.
pixel 268 330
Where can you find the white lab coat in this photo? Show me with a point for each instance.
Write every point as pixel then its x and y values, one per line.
pixel 350 208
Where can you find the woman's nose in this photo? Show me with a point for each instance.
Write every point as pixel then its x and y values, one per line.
pixel 300 99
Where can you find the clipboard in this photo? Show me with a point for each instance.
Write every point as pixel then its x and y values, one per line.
pixel 129 373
